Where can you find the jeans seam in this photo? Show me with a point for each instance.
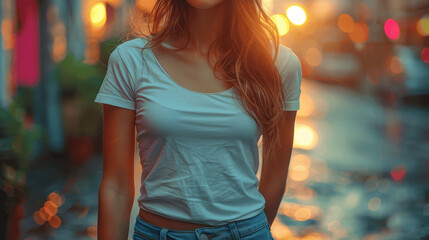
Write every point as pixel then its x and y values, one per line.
pixel 269 231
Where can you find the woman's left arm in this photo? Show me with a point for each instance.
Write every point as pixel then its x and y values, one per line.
pixel 272 183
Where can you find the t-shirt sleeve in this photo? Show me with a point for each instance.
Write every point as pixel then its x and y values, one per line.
pixel 291 75
pixel 117 88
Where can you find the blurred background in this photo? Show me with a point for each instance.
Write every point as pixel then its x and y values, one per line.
pixel 360 163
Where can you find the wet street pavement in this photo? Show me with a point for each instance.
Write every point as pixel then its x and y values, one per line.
pixel 359 170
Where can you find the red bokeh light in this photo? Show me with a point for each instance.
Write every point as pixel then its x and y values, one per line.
pixel 398 173
pixel 391 28
pixel 425 55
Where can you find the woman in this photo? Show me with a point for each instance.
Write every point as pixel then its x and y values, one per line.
pixel 201 88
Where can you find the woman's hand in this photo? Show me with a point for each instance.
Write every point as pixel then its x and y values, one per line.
pixel 116 192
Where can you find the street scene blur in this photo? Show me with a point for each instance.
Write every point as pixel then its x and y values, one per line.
pixel 360 162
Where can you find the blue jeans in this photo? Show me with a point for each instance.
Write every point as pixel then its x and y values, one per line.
pixel 254 228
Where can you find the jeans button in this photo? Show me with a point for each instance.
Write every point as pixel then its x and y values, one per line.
pixel 204 237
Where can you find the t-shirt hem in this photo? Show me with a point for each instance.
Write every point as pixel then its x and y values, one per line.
pixel 211 223
pixel 291 106
pixel 114 101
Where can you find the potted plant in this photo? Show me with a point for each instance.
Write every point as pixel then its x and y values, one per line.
pixel 82 117
pixel 18 138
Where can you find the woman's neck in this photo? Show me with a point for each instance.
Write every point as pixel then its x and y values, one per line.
pixel 205 25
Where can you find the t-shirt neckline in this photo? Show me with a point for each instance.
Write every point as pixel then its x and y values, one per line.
pixel 180 86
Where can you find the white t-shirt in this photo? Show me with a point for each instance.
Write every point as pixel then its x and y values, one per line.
pixel 198 151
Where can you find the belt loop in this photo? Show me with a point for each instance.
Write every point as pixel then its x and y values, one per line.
pixel 234 231
pixel 163 234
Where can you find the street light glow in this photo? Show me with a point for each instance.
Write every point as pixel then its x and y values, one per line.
pixel 282 23
pixel 296 15
pixel 98 14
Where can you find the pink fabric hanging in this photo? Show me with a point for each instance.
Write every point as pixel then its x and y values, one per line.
pixel 27 49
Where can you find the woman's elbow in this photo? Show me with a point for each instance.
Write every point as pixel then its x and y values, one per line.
pixel 113 186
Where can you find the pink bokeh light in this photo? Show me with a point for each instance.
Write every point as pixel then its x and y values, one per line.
pixel 391 28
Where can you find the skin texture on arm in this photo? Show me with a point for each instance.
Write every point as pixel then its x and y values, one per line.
pixel 272 183
pixel 116 192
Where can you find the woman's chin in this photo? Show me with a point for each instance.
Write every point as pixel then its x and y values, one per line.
pixel 204 4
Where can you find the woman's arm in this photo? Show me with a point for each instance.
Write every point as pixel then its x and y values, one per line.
pixel 272 183
pixel 116 192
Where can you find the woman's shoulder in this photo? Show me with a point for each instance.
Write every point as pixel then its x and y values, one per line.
pixel 137 43
pixel 132 46
pixel 130 53
pixel 287 60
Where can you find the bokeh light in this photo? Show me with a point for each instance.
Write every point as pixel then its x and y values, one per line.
pixel 50 208
pixel 37 218
pixel 98 14
pixel 323 9
pixel 383 185
pixel 8 40
pixel 346 23
pixel 92 232
pixel 305 193
pixel 398 173
pixel 280 231
pixel 305 137
pixel 396 65
pixel 374 203
pixel 43 214
pixel 296 15
pixel 334 226
pixel 56 198
pixel 301 159
pixel 313 57
pixel 307 104
pixel 360 33
pixel 55 221
pixel 299 173
pixel 391 28
pixel 423 26
pixel 303 214
pixel 282 23
pixel 299 167
pixel 425 55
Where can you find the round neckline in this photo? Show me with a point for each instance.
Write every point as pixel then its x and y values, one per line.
pixel 180 86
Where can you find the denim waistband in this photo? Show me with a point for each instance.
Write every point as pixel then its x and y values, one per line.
pixel 240 227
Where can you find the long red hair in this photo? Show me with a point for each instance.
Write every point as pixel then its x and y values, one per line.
pixel 244 52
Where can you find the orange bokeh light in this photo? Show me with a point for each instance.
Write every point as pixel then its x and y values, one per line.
pixel 55 221
pixel 98 15
pixel 313 57
pixel 346 23
pixel 56 198
pixel 423 26
pixel 282 23
pixel 50 208
pixel 92 232
pixel 360 33
pixel 37 218
pixel 43 215
pixel 302 214
pixel 307 106
pixel 396 65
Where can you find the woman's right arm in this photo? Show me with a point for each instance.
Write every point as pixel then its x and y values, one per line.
pixel 116 192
